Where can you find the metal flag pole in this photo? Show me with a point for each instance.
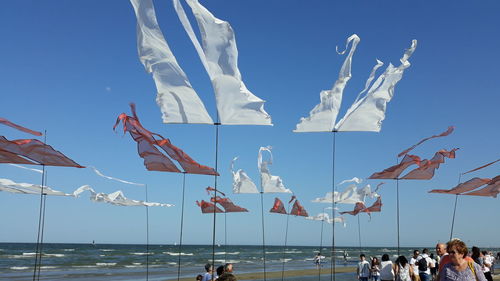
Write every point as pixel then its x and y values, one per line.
pixel 263 232
pixel 217 124
pixel 40 216
pixel 182 225
pixel 284 246
pixel 43 228
pixel 321 244
pixel 455 208
pixel 332 270
pixel 359 234
pixel 147 234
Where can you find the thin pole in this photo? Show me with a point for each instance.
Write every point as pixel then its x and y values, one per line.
pixel 397 211
pixel 40 215
pixel 359 234
pixel 43 228
pixel 147 235
pixel 182 225
pixel 215 194
pixel 284 246
pixel 332 271
pixel 225 237
pixel 263 232
pixel 321 244
pixel 455 209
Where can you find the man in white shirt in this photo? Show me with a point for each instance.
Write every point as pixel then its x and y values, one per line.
pixel 487 264
pixel 413 261
pixel 363 270
pixel 424 264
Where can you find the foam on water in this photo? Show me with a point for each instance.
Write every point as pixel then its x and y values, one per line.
pixel 106 264
pixel 19 267
pixel 176 254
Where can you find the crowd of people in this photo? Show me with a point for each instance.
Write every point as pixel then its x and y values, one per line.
pixel 222 273
pixel 452 262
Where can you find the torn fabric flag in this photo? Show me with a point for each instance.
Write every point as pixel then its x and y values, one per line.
pixel 242 183
pixel 28 188
pixel 228 205
pixel 18 127
pixel 269 183
pixel 278 207
pixel 490 190
pixel 357 208
pixel 298 210
pixel 153 159
pixel 393 172
pixel 366 114
pixel 208 208
pixel 37 151
pixel 236 105
pixel 443 134
pixel 463 187
pixel 115 198
pixel 176 98
pixel 428 167
pixel 479 168
pixel 323 116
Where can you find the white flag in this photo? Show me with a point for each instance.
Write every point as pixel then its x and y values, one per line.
pixel 28 188
pixel 241 181
pixel 236 105
pixel 177 99
pixel 269 183
pixel 115 198
pixel 323 116
pixel 367 113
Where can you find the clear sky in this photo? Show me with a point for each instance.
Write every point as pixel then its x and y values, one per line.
pixel 70 67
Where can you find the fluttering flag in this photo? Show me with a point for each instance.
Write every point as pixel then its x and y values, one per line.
pixel 428 167
pixel 208 208
pixel 28 188
pixel 323 116
pixel 479 168
pixel 490 190
pixel 153 159
pixel 269 183
pixel 25 168
pixel 211 189
pixel 367 113
pixel 18 127
pixel 241 181
pixel 357 208
pixel 228 205
pixel 176 98
pixel 34 150
pixel 236 105
pixel 298 209
pixel 463 187
pixel 116 198
pixel 112 178
pixel 278 207
pixel 355 180
pixel 393 172
pixel 443 134
pixel 336 196
pixel 359 195
pixel 325 217
pixel 375 207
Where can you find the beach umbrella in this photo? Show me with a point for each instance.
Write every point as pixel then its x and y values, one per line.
pixel 365 114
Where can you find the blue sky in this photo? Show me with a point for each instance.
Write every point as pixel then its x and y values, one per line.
pixel 70 67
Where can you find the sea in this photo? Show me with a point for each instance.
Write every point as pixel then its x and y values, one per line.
pixel 126 262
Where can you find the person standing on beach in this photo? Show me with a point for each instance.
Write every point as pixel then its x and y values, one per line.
pixel 413 264
pixel 487 265
pixel 425 264
pixel 375 269
pixel 317 260
pixel 210 274
pixel 386 269
pixel 441 253
pixel 363 270
pixel 402 269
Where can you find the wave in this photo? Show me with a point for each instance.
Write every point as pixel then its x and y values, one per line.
pixel 106 264
pixel 142 254
pixel 285 260
pixel 293 252
pixel 54 255
pixel 84 266
pixel 107 250
pixel 68 250
pixel 48 267
pixel 176 254
pixel 29 254
pixel 172 263
pixel 19 267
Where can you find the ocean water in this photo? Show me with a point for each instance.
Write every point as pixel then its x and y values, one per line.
pixel 131 262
